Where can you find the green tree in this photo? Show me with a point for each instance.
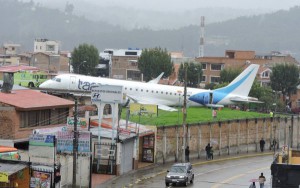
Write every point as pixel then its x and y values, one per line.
pixel 194 73
pixel 285 78
pixel 229 74
pixel 84 59
pixel 154 61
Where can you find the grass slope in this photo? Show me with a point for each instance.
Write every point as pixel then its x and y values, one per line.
pixel 194 115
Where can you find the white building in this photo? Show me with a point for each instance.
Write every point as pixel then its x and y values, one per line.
pixel 45 45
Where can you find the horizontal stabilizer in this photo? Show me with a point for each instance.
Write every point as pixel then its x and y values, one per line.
pixel 247 100
pixel 156 80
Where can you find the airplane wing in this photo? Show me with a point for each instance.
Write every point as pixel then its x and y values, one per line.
pixel 156 80
pixel 246 100
pixel 215 105
pixel 145 101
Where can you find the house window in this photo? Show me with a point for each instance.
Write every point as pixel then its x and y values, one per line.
pixel 43 117
pixel 50 48
pixel 214 79
pixel 265 74
pixel 203 79
pixel 203 66
pixel 298 103
pixel 216 67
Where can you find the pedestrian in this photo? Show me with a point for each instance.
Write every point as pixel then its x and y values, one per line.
pixel 187 154
pixel 274 144
pixel 271 114
pixel 211 153
pixel 207 149
pixel 214 114
pixel 252 185
pixel 261 180
pixel 262 144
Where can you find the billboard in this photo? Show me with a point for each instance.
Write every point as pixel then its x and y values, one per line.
pixel 81 122
pixel 143 109
pixel 107 94
pixel 65 143
pixel 41 146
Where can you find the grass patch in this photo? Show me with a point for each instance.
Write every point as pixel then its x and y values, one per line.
pixel 194 115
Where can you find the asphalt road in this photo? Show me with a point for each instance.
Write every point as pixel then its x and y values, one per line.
pixel 215 174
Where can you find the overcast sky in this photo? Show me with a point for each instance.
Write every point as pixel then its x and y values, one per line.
pixel 192 4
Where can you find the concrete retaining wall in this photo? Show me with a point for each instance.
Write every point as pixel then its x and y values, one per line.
pixel 226 137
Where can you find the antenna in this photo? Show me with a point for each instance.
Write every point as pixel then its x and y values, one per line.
pixel 201 44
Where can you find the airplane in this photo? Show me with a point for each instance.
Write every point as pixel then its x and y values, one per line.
pixel 166 97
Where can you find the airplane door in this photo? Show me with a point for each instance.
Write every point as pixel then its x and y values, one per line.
pixel 72 84
pixel 211 98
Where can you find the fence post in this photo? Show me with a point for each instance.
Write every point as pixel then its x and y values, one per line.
pixel 220 137
pixel 238 136
pixel 228 136
pixel 199 141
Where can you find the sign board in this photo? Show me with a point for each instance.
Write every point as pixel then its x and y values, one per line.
pixel 65 143
pixel 143 109
pixel 42 146
pixel 107 94
pixel 81 122
pixel 4 177
pixel 41 140
pixel 40 179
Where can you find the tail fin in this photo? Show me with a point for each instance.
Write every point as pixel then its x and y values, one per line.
pixel 242 84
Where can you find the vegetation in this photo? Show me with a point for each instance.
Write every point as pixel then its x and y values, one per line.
pixel 154 61
pixel 194 73
pixel 194 115
pixel 228 74
pixel 285 78
pixel 84 59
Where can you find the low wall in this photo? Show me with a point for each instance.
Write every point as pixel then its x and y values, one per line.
pixel 226 137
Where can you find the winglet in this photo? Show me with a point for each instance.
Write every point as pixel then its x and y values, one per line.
pixel 156 80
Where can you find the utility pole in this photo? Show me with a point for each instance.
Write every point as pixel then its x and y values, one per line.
pixel 75 144
pixel 184 115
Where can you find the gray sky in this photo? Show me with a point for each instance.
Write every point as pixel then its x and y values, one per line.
pixel 192 4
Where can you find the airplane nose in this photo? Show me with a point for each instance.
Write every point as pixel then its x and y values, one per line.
pixel 44 84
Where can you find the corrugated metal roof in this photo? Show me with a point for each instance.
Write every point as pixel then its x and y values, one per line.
pixel 17 68
pixel 11 168
pixel 33 100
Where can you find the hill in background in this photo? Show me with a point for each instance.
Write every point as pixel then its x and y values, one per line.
pixel 263 33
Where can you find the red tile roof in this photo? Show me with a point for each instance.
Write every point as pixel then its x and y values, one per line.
pixel 17 68
pixel 33 100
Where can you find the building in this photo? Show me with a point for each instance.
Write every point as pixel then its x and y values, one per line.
pixel 22 111
pixel 47 46
pixel 122 63
pixel 14 173
pixel 212 66
pixel 9 54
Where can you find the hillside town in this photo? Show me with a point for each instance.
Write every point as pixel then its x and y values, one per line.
pixel 37 128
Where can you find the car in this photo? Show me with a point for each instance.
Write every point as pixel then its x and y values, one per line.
pixel 180 173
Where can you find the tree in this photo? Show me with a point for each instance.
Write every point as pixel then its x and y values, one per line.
pixel 228 74
pixel 194 73
pixel 84 59
pixel 154 61
pixel 285 78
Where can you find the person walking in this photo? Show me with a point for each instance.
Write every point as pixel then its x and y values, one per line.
pixel 252 185
pixel 211 152
pixel 271 114
pixel 261 180
pixel 207 149
pixel 187 154
pixel 262 144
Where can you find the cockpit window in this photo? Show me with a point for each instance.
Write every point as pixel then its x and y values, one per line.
pixel 56 79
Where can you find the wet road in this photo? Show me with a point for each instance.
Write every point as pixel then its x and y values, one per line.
pixel 219 174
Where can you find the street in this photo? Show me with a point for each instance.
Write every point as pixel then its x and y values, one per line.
pixel 217 174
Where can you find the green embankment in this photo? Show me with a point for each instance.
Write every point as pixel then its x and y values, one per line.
pixel 194 115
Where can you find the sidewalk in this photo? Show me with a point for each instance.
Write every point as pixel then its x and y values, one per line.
pixel 150 171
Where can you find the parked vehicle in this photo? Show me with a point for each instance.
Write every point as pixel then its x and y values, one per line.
pixel 180 173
